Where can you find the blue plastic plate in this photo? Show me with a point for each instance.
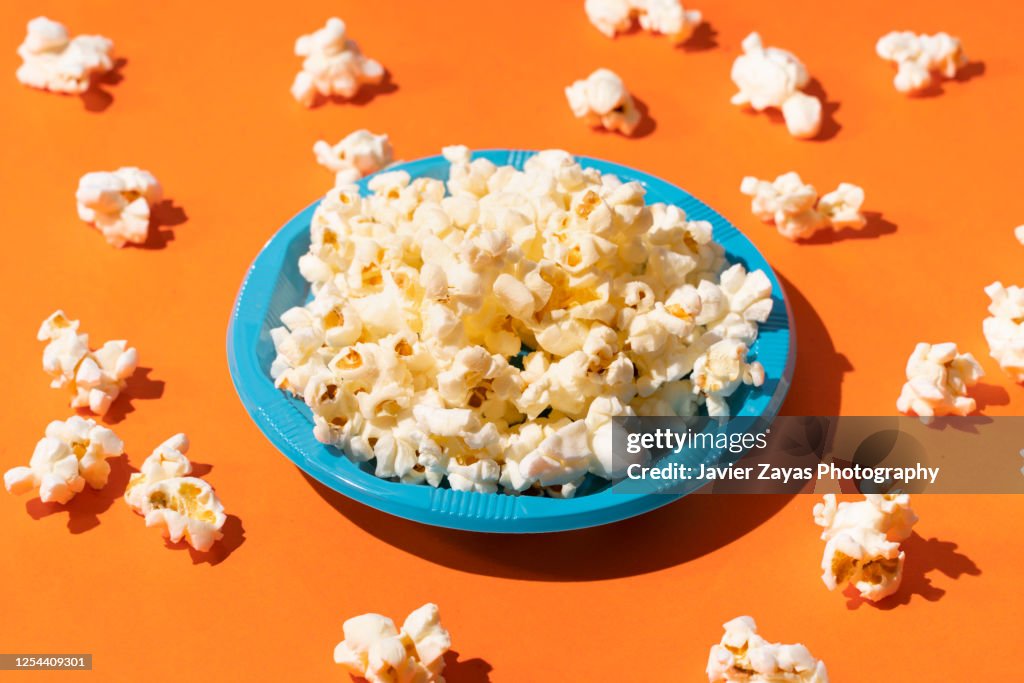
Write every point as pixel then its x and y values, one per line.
pixel 273 284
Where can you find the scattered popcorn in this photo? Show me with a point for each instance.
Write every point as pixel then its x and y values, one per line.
pixel 118 204
pixel 377 651
pixel 72 454
pixel 938 377
pixel 94 377
pixel 666 17
pixel 863 542
pixel 183 507
pixel 745 657
pixel 1018 232
pixel 1004 329
pixel 918 57
pixel 53 61
pixel 602 101
pixel 359 154
pixel 770 78
pixel 332 65
pixel 486 331
pixel 793 206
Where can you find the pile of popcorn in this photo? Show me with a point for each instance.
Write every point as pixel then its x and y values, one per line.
pixel 862 542
pixel 1004 328
pixel 183 507
pixel 93 377
pixel 665 17
pixel 743 656
pixel 771 78
pixel 118 203
pixel 918 57
pixel 408 353
pixel 377 651
pixel 938 377
pixel 72 454
pixel 358 154
pixel 51 60
pixel 332 65
pixel 793 206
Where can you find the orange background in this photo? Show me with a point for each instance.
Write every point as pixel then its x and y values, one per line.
pixel 204 104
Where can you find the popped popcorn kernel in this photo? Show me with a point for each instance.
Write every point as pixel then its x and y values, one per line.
pixel 664 17
pixel 73 453
pixel 794 208
pixel 920 57
pixel 602 101
pixel 118 203
pixel 94 377
pixel 332 65
pixel 862 542
pixel 376 650
pixel 771 78
pixel 183 507
pixel 1004 328
pixel 485 331
pixel 1018 232
pixel 938 377
pixel 52 60
pixel 743 656
pixel 358 154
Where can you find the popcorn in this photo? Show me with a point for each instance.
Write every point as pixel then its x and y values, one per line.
pixel 118 203
pixel 359 154
pixel 95 378
pixel 793 206
pixel 721 370
pixel 863 542
pixel 377 651
pixel 72 454
pixel 744 656
pixel 183 507
pixel 666 17
pixel 938 377
pixel 488 335
pixel 602 101
pixel 53 61
pixel 332 65
pixel 919 57
pixel 770 78
pixel 1004 329
pixel 1018 232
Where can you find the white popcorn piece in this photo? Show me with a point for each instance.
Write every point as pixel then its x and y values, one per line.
pixel 602 101
pixel 118 203
pixel 72 454
pixel 1018 232
pixel 376 650
pixel 794 208
pixel 862 542
pixel 1004 328
pixel 332 65
pixel 719 372
pixel 919 57
pixel 665 17
pixel 938 377
pixel 181 506
pixel 358 154
pixel 425 293
pixel 52 60
pixel 95 378
pixel 771 78
pixel 743 656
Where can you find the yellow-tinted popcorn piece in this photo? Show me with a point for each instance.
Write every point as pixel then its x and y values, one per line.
pixel 743 656
pixel 379 652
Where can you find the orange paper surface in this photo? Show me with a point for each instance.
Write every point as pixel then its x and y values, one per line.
pixel 204 104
